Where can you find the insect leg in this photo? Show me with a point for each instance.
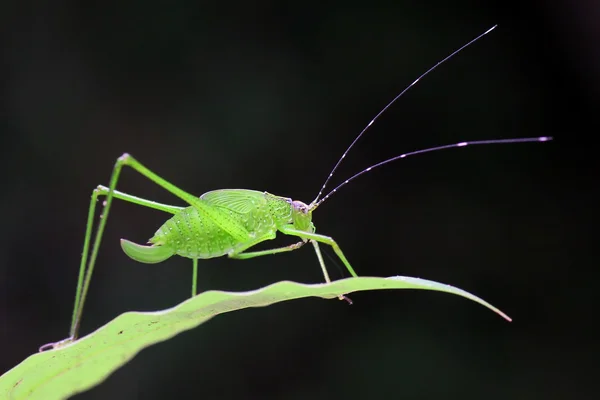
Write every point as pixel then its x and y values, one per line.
pixel 85 274
pixel 223 220
pixel 325 274
pixel 241 254
pixel 75 319
pixel 245 255
pixel 103 190
pixel 290 230
pixel 81 289
pixel 321 261
pixel 194 276
pixel 315 238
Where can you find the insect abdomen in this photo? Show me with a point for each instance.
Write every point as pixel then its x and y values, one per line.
pixel 193 235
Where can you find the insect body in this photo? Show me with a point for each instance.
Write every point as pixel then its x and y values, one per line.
pixel 231 221
pixel 226 222
pixel 192 234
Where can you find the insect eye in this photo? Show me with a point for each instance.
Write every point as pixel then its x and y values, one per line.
pixel 300 206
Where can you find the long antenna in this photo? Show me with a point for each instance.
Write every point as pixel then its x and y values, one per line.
pixel 316 200
pixel 448 146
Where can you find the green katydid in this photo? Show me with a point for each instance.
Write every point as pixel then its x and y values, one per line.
pixel 228 221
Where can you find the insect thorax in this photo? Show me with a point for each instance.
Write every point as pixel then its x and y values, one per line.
pixel 287 211
pixel 279 208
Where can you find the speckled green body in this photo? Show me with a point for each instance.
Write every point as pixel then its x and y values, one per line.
pixel 191 234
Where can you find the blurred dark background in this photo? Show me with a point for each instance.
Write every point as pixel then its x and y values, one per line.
pixel 266 95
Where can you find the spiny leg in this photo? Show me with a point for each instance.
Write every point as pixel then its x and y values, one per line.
pixel 82 286
pixel 75 319
pixel 241 254
pixel 290 230
pixel 224 222
pixel 245 255
pixel 315 238
pixel 82 265
pixel 103 190
pixel 232 227
pixel 85 274
pixel 99 191
pixel 321 261
pixel 325 274
pixel 251 254
pixel 235 230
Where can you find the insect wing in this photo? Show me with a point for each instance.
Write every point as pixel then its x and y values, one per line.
pixel 241 201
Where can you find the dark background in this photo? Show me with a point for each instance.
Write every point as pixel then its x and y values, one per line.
pixel 267 95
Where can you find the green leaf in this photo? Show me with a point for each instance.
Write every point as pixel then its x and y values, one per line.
pixel 83 364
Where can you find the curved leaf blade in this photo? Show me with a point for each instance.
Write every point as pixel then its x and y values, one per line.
pixel 81 365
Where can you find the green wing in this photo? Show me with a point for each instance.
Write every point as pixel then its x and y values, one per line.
pixel 241 201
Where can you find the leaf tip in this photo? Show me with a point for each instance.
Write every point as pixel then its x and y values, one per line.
pixel 506 317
